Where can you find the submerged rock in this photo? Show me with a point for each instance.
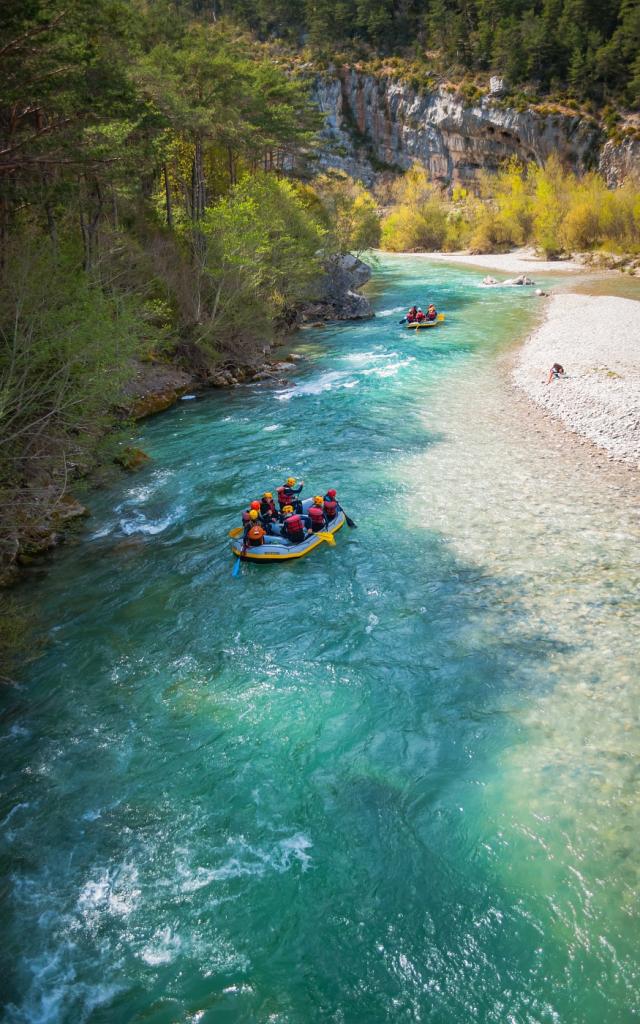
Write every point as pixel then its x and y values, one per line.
pixel 520 281
pixel 132 459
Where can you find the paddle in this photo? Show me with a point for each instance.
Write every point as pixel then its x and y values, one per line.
pixel 350 523
pixel 323 535
pixel 237 530
pixel 236 569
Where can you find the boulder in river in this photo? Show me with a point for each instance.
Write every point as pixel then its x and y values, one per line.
pixel 518 282
pixel 338 297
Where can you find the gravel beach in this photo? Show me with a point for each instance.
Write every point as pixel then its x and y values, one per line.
pixel 597 341
pixel 520 261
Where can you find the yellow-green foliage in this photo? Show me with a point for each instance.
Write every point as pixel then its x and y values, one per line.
pixel 419 218
pixel 549 207
pixel 349 212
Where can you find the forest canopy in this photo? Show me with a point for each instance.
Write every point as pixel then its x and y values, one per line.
pixel 589 47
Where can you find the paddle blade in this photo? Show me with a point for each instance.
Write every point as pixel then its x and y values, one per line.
pixel 237 530
pixel 441 317
pixel 350 522
pixel 330 539
pixel 236 569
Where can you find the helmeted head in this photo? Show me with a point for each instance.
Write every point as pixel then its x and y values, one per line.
pixel 331 494
pixel 255 504
pixel 431 305
pixel 253 515
pixel 268 495
pixel 291 480
pixel 318 499
pixel 419 310
pixel 288 509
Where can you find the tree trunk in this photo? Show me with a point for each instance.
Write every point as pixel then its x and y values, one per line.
pixel 232 166
pixel 167 196
pixel 89 222
pixel 198 186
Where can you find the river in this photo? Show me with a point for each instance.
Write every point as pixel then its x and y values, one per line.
pixel 395 781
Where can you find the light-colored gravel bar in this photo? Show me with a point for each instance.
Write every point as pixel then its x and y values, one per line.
pixel 597 341
pixel 520 261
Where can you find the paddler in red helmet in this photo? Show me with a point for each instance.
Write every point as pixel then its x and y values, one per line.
pixel 330 504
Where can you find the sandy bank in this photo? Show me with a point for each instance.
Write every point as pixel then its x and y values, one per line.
pixel 520 261
pixel 597 340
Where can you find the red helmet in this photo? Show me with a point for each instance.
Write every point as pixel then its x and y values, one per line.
pixel 255 504
pixel 332 493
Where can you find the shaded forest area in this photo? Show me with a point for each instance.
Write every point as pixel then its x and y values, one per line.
pixel 145 216
pixel 588 48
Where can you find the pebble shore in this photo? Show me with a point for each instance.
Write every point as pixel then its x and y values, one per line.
pixel 597 341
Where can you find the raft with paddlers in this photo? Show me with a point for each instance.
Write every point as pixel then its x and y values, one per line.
pixel 417 325
pixel 275 548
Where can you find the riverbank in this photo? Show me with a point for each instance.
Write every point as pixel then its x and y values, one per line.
pixel 597 341
pixel 595 338
pixel 519 261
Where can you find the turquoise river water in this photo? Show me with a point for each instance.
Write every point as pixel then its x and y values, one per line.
pixel 395 781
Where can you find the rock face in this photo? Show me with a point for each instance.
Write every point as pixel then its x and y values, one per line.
pixel 154 387
pixel 338 298
pixel 619 161
pixel 376 121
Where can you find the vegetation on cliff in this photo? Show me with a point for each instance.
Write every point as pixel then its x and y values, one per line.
pixel 588 48
pixel 549 207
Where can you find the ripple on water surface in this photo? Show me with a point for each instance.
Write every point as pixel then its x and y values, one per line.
pixel 396 781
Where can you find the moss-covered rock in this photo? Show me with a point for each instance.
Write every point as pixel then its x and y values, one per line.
pixel 132 459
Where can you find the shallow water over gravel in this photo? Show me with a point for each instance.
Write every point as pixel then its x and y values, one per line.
pixel 394 782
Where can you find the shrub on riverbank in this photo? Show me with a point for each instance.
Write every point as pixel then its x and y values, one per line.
pixel 549 207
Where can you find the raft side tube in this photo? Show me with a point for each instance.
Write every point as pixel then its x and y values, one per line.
pixel 276 550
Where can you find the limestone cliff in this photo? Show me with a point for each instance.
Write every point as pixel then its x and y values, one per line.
pixel 376 121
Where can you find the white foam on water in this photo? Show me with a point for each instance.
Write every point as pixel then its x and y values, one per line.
pixel 390 312
pixel 140 524
pixel 16 731
pixel 295 849
pixel 162 949
pixel 364 358
pixel 248 860
pixel 114 893
pixel 14 810
pixel 274 426
pixel 54 996
pixel 390 370
pixel 326 382
pixel 373 622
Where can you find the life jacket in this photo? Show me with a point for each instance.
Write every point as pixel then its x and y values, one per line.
pixel 284 496
pixel 420 317
pixel 432 314
pixel 330 508
pixel 293 525
pixel 255 536
pixel 316 515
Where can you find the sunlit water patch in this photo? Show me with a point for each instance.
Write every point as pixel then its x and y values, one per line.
pixel 394 782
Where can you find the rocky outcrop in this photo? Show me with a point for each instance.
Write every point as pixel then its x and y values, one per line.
pixel 375 122
pixel 154 387
pixel 338 297
pixel 620 160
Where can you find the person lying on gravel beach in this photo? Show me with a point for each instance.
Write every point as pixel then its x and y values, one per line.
pixel 555 372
